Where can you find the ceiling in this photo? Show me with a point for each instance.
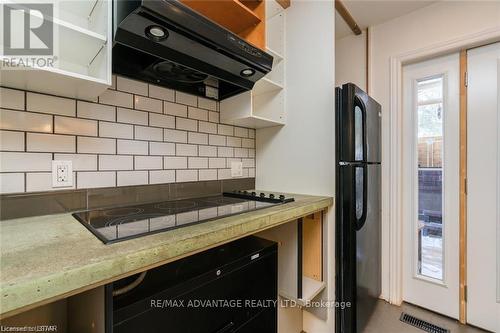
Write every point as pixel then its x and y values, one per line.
pixel 371 12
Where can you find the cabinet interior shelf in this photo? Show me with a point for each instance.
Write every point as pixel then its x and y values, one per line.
pixel 310 289
pixel 277 57
pixel 264 86
pixel 234 15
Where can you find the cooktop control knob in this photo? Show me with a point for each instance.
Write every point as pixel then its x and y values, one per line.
pixel 271 196
pixel 262 195
pixel 245 192
pixel 254 194
pixel 282 197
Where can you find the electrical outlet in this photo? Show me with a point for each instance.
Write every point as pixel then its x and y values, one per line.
pixel 236 169
pixel 62 174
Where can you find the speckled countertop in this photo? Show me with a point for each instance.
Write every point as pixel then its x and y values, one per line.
pixel 50 257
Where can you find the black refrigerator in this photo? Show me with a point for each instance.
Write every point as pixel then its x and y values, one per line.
pixel 357 226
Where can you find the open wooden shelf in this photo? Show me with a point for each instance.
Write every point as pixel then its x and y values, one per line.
pixel 231 14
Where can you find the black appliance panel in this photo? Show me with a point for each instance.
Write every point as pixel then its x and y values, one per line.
pixel 359 133
pixel 195 55
pixel 244 270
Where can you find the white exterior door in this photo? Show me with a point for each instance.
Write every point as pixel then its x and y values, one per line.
pixel 431 184
pixel 483 187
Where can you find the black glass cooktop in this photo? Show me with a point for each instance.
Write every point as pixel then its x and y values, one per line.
pixel 121 223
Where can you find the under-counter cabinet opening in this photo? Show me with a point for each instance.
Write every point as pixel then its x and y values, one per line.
pixel 301 275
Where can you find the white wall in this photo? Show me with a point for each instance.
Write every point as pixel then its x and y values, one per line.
pixel 350 60
pixel 299 157
pixel 432 25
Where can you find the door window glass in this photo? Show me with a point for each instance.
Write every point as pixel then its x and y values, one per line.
pixel 430 255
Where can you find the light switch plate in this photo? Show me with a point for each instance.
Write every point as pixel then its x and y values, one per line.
pixel 62 174
pixel 236 169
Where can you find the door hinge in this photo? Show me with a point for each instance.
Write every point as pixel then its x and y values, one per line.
pixel 466 79
pixel 465 186
pixel 465 293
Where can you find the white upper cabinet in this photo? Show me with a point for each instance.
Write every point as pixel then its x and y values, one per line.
pixel 264 106
pixel 82 41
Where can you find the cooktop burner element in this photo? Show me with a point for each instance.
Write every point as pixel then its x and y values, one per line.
pixel 121 223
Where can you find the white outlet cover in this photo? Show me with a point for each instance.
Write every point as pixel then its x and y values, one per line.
pixel 236 169
pixel 62 173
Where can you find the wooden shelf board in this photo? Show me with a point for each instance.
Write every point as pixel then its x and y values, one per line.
pixel 231 14
pixel 310 289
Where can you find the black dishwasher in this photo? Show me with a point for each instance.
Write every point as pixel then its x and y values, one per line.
pixel 231 288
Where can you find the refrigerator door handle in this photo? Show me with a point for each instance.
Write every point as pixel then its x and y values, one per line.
pixel 361 105
pixel 360 222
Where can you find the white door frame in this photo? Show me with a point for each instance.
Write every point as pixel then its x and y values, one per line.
pixel 395 144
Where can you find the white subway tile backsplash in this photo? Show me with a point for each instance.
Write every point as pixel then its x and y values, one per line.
pixel 248 143
pixel 11 99
pixel 131 116
pixel 95 111
pixel 115 130
pixel 131 86
pixel 199 114
pixel 148 133
pixel 216 163
pixel 161 176
pixel 161 148
pixel 248 162
pixel 81 162
pixel 148 104
pixel 225 151
pixel 128 178
pixel 50 104
pixel 182 149
pixel 223 174
pixel 134 133
pixel 11 183
pixel 207 127
pixel 25 121
pixel 213 117
pixel 216 140
pixel 187 99
pixel 229 161
pixel 148 162
pixel 161 120
pixel 42 181
pixel 11 141
pixel 198 138
pixel 19 162
pixel 251 172
pixel 241 132
pixel 233 142
pixel 132 147
pixel 75 126
pixel 175 109
pixel 175 136
pixel 206 103
pixel 207 174
pixel 207 151
pixel 240 152
pixel 116 162
pixel 186 124
pixel 161 93
pixel 42 142
pixel 186 175
pixel 197 163
pixel 117 98
pixel 91 145
pixel 174 162
pixel 86 179
pixel 225 129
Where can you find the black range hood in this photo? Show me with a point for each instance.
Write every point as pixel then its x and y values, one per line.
pixel 167 43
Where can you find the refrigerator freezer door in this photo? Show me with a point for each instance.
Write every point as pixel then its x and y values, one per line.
pixel 368 250
pixel 359 126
